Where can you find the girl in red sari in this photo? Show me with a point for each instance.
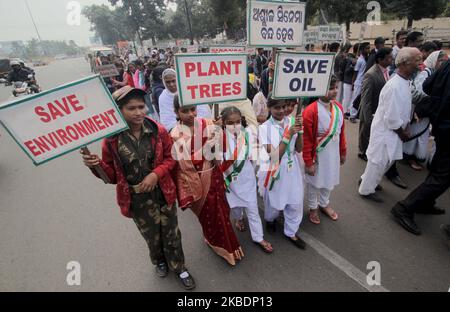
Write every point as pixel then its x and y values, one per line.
pixel 200 182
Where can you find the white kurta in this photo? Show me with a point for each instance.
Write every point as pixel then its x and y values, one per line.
pixel 166 110
pixel 329 160
pixel 393 112
pixel 243 190
pixel 243 194
pixel 288 189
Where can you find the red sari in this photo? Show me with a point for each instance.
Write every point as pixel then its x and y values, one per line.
pixel 201 188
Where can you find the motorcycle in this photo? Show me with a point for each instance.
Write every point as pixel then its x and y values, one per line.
pixel 25 87
pixel 20 87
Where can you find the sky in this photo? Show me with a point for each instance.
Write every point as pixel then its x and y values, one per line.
pixel 50 17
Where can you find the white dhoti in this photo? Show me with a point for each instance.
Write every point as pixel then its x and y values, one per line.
pixel 347 97
pixel 373 174
pixel 356 92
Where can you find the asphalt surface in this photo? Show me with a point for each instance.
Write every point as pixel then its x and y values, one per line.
pixel 58 212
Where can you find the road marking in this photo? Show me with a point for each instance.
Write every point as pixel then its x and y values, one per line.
pixel 349 269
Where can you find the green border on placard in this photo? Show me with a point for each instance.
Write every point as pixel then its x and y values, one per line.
pixel 180 94
pixel 38 95
pixel 249 6
pixel 274 96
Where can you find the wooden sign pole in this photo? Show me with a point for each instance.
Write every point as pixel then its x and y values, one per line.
pixel 102 174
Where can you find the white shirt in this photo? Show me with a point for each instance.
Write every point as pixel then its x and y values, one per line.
pixel 360 67
pixel 393 112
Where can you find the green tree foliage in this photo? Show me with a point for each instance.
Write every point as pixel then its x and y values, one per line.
pixel 231 15
pixel 145 16
pixel 416 9
pixel 202 18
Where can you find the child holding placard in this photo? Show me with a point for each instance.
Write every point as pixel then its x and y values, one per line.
pixel 324 151
pixel 239 174
pixel 281 137
pixel 199 181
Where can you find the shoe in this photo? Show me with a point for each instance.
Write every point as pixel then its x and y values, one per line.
pixel 346 115
pixel 353 120
pixel 187 280
pixel 271 227
pixel 379 188
pixel 406 222
pixel 362 156
pixel 399 182
pixel 373 197
pixel 299 243
pixel 162 269
pixel 433 211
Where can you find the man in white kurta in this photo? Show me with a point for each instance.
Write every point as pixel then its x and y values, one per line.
pixel 385 146
pixel 389 124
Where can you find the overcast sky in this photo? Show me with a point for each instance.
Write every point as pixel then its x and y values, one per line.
pixel 50 17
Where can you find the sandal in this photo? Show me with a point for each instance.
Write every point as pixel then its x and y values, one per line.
pixel 314 216
pixel 240 225
pixel 265 246
pixel 415 166
pixel 329 212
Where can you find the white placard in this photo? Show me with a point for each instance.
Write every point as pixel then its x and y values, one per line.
pixel 330 33
pixel 55 122
pixel 227 49
pixel 107 71
pixel 299 74
pixel 275 23
pixel 310 37
pixel 211 78
pixel 192 49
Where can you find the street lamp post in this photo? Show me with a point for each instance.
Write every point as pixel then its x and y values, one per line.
pixel 35 27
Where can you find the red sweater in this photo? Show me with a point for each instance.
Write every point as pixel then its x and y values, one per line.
pixel 163 165
pixel 310 137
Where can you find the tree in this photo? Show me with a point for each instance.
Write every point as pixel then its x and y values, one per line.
pixel 145 16
pixel 338 11
pixel 202 18
pixel 103 23
pixel 416 9
pixel 231 14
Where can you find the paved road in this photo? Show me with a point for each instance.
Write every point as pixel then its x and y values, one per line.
pixel 58 212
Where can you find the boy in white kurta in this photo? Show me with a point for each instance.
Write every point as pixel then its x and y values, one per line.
pixel 239 175
pixel 325 146
pixel 282 178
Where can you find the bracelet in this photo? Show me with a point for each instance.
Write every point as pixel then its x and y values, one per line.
pixel 285 141
pixel 301 132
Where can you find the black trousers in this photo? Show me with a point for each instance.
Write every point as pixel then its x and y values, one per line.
pixel 438 181
pixel 392 172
